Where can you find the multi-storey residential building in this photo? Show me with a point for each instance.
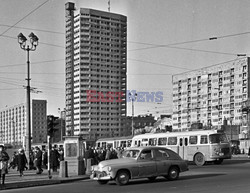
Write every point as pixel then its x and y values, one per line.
pixel 39 121
pixel 210 95
pixel 13 123
pixel 96 56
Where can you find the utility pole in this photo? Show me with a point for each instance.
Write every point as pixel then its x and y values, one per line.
pixel 133 98
pixel 34 42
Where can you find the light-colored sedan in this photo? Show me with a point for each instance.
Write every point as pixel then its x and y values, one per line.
pixel 140 162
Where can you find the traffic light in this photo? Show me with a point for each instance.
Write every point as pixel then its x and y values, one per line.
pixel 51 124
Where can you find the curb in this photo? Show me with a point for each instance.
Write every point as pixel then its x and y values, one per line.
pixel 40 183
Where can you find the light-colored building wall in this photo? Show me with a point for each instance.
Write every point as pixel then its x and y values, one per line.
pixel 96 59
pixel 13 123
pixel 210 94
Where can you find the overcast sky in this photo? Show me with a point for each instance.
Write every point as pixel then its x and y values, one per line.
pixel 151 25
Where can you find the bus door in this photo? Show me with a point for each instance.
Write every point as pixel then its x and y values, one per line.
pixel 183 144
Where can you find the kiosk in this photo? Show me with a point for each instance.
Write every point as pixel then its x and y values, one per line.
pixel 74 148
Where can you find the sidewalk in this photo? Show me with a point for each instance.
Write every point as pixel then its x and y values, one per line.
pixel 240 157
pixel 30 179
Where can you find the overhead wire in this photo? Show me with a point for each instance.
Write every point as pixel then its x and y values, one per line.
pixel 23 18
pixel 152 46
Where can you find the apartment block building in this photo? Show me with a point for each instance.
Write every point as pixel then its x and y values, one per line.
pixel 39 121
pixel 210 95
pixel 96 65
pixel 13 123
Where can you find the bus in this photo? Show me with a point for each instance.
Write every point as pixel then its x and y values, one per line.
pixel 198 146
pixel 114 142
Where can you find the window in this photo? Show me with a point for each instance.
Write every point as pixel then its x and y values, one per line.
pixel 172 141
pixel 152 141
pixel 193 140
pixel 146 155
pixel 162 141
pixel 204 139
pixel 161 154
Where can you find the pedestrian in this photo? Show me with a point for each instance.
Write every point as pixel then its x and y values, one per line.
pixel 248 152
pixel 13 162
pixel 44 158
pixel 61 153
pixel 21 161
pixel 54 157
pixel 38 160
pixel 4 158
pixel 108 153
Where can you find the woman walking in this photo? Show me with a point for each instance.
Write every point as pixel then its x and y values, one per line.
pixel 21 161
pixel 4 157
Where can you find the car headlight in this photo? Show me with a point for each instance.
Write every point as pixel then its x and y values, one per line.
pixel 107 168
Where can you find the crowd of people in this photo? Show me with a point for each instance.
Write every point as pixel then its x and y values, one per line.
pixel 98 154
pixel 38 160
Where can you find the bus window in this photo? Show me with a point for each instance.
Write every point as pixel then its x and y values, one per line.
pixel 152 142
pixel 218 138
pixel 144 142
pixel 103 144
pixel 129 142
pixel 123 143
pixel 193 140
pixel 186 141
pixel 204 139
pixel 162 141
pixel 181 142
pixel 172 141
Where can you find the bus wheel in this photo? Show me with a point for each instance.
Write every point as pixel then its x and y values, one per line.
pixel 219 161
pixel 199 159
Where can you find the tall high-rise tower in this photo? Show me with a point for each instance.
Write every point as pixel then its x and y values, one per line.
pixel 96 66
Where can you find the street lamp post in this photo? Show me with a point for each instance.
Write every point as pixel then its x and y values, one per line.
pixel 32 47
pixel 132 100
pixel 61 112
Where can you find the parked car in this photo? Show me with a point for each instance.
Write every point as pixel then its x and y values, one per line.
pixel 140 162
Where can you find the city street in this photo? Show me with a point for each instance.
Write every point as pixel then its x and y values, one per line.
pixel 231 176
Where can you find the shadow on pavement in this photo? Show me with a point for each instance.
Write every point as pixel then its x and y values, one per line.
pixel 161 179
pixel 225 162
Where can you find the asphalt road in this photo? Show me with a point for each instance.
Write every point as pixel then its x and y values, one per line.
pixel 230 177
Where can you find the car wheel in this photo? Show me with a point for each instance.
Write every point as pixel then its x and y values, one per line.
pixel 102 181
pixel 151 179
pixel 173 173
pixel 219 161
pixel 122 178
pixel 199 159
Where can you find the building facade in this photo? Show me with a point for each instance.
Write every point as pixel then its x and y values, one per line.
pixel 140 123
pixel 96 66
pixel 39 121
pixel 13 123
pixel 210 95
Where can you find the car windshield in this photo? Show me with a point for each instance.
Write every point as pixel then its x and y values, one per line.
pixel 133 153
pixel 218 138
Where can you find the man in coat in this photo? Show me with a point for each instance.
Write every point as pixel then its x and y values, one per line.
pixel 38 160
pixel 54 159
pixel 4 158
pixel 21 161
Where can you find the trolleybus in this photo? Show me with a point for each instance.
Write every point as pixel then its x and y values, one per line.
pixel 198 146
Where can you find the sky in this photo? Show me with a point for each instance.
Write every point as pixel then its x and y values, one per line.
pixel 165 37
